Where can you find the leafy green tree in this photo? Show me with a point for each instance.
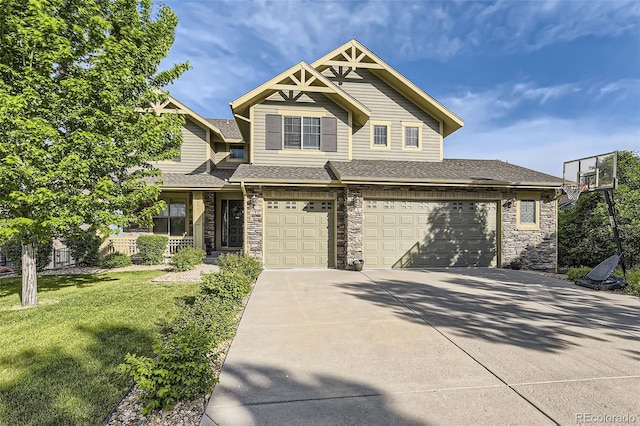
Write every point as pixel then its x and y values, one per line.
pixel 77 136
pixel 585 236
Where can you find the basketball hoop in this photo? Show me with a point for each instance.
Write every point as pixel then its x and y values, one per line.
pixel 573 193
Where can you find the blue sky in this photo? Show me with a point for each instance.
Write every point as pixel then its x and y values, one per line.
pixel 537 83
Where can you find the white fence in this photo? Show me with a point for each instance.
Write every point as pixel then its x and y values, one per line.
pixel 127 245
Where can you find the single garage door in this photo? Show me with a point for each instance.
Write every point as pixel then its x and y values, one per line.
pixel 298 234
pixel 414 234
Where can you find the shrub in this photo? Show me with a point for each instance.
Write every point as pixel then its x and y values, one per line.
pixel 186 258
pixel 84 248
pixel 181 368
pixel 633 278
pixel 245 265
pixel 13 251
pixel 151 248
pixel 116 260
pixel 574 274
pixel 226 285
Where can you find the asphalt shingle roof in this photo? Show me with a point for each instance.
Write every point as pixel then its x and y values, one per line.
pixel 227 126
pixel 448 171
pixel 215 179
pixel 252 173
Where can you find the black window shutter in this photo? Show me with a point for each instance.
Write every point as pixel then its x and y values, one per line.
pixel 273 131
pixel 329 138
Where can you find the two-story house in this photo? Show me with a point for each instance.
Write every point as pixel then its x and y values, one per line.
pixel 342 160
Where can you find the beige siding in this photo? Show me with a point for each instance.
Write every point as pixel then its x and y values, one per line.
pixel 317 103
pixel 193 153
pixel 386 104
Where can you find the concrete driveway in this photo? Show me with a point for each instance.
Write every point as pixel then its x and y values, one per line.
pixel 463 346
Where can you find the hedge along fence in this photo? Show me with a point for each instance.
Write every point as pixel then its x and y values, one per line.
pixel 151 248
pixel 185 353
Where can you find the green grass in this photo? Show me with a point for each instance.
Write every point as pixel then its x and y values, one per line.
pixel 59 361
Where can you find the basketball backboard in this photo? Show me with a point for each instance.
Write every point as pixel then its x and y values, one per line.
pixel 591 173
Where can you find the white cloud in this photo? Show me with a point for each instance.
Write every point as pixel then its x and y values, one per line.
pixel 542 94
pixel 622 87
pixel 543 143
pixel 482 108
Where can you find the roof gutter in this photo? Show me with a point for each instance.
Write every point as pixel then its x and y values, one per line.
pixel 508 185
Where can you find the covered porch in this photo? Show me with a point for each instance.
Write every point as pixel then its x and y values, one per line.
pixel 208 215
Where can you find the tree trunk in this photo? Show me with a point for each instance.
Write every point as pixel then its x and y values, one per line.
pixel 29 275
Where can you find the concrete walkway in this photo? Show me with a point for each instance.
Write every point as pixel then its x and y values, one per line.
pixel 468 346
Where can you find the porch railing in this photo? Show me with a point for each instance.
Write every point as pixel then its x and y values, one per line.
pixel 127 245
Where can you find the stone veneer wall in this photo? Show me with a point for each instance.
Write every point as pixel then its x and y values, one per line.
pixel 254 214
pixel 354 225
pixel 253 210
pixel 537 249
pixel 210 218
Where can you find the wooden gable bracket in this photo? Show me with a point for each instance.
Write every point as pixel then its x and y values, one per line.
pixel 291 83
pixel 353 58
pixel 302 80
pixel 291 96
pixel 340 75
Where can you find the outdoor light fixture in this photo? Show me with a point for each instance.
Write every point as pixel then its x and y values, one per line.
pixel 509 202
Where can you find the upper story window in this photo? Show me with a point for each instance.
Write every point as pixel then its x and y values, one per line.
pixel 380 135
pixel 236 152
pixel 411 136
pixel 309 133
pixel 301 133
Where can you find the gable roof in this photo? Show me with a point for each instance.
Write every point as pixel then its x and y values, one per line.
pixel 174 105
pixel 448 172
pixel 228 127
pixel 300 77
pixel 354 54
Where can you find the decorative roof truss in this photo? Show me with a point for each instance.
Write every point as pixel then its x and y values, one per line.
pixel 354 57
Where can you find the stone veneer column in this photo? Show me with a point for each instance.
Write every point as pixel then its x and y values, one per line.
pixel 536 248
pixel 354 228
pixel 253 213
pixel 210 218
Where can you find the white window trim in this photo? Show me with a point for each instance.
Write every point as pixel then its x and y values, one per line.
pixel 406 124
pixel 528 196
pixel 374 123
pixel 302 148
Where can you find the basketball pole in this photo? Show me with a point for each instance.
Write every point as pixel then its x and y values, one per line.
pixel 608 197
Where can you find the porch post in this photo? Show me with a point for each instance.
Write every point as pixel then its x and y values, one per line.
pixel 198 219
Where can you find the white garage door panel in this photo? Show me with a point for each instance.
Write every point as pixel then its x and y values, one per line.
pixel 407 233
pixel 298 234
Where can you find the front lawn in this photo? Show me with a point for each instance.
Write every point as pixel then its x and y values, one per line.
pixel 59 361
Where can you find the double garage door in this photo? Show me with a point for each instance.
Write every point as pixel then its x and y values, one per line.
pixel 299 234
pixel 414 234
pixel 396 233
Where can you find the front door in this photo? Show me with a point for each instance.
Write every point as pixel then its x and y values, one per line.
pixel 232 225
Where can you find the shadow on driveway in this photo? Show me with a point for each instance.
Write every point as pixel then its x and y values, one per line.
pixel 508 307
pixel 278 398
